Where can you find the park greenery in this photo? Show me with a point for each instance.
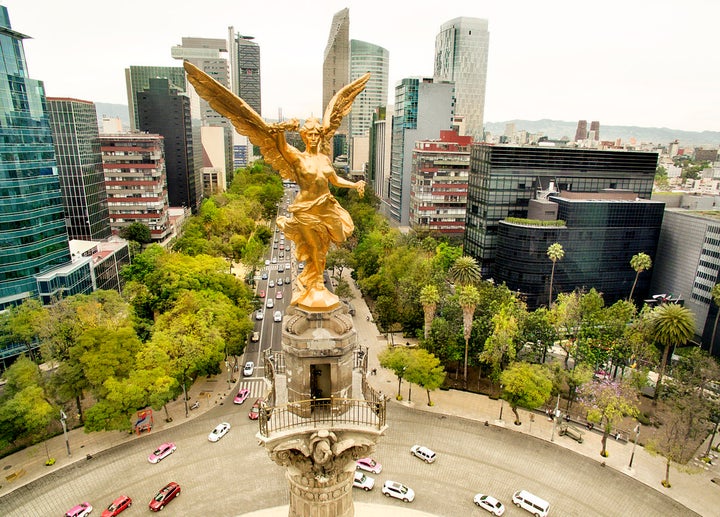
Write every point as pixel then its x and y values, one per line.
pixel 182 313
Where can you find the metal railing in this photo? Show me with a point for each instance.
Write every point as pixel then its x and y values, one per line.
pixel 322 413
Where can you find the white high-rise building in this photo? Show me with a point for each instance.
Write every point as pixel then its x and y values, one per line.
pixel 461 56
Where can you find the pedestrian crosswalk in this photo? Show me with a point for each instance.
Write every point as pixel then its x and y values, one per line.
pixel 256 387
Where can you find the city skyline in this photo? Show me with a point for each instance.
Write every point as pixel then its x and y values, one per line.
pixel 643 64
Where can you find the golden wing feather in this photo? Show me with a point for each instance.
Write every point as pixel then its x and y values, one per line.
pixel 243 117
pixel 338 107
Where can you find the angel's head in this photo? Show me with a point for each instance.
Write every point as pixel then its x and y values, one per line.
pixel 312 129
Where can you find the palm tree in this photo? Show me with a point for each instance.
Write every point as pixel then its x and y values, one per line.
pixel 715 293
pixel 555 252
pixel 429 297
pixel 469 298
pixel 640 262
pixel 671 324
pixel 465 271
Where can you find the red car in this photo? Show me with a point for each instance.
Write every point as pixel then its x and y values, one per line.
pixel 255 410
pixel 241 396
pixel 118 505
pixel 261 294
pixel 164 496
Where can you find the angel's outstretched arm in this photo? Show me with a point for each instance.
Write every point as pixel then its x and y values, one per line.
pixel 277 131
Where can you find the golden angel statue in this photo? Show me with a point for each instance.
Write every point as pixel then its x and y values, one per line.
pixel 316 218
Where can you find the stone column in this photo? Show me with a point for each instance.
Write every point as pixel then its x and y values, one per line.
pixel 320 468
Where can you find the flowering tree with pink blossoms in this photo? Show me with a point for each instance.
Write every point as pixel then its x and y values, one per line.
pixel 607 402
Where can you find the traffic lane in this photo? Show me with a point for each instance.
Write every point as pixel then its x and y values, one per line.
pixel 473 458
pixel 200 467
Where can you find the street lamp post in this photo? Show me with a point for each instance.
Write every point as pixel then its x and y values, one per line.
pixel 502 402
pixel 556 415
pixel 63 418
pixel 632 455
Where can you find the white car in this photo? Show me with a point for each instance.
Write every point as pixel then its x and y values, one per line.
pixel 398 491
pixel 362 481
pixel 220 431
pixel 270 303
pixel 248 369
pixel 271 283
pixel 489 503
pixel 277 316
pixel 259 314
pixel 423 453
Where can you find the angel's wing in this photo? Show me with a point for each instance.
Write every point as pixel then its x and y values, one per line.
pixel 243 117
pixel 337 108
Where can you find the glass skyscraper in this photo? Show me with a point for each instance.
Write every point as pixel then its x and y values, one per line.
pixel 137 79
pixel 33 237
pixel 336 62
pixel 77 150
pixel 461 56
pixel 245 69
pixel 366 57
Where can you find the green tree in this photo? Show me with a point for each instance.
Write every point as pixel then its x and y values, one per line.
pixel 672 325
pixel 446 255
pixel 683 427
pixel 500 348
pixel 555 252
pixel 22 323
pixel 343 290
pixel 469 298
pixel 525 385
pixel 397 360
pixel 429 298
pixel 425 370
pixel 25 411
pixel 607 403
pixel 537 330
pixel 338 258
pixel 465 271
pixel 137 232
pixel 639 262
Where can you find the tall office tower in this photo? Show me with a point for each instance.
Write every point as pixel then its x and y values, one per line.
pixel 366 57
pixel 439 182
pixel 595 129
pixel 137 79
pixel 336 62
pixel 378 172
pixel 210 56
pixel 423 107
pixel 461 56
pixel 245 69
pixel 581 131
pixel 135 176
pixel 33 237
pixel 504 178
pixel 82 182
pixel 164 110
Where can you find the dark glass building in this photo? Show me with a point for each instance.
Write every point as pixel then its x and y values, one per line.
pixel 504 178
pixel 137 79
pixel 601 234
pixel 82 181
pixel 164 110
pixel 33 237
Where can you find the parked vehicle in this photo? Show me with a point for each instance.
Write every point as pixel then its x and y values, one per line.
pixel 369 465
pixel 362 481
pixel 423 453
pixel 530 502
pixel 255 410
pixel 398 491
pixel 489 503
pixel 162 452
pixel 164 496
pixel 79 510
pixel 120 504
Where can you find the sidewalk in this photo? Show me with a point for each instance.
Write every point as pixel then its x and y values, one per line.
pixel 691 486
pixel 27 465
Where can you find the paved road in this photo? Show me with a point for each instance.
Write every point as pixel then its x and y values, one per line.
pixel 235 475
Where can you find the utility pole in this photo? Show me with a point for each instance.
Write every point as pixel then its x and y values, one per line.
pixel 63 418
pixel 632 455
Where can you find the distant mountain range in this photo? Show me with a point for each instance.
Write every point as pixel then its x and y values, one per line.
pixel 556 129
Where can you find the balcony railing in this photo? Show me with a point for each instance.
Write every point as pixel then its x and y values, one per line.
pixel 322 413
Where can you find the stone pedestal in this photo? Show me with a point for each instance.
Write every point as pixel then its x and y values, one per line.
pixel 320 469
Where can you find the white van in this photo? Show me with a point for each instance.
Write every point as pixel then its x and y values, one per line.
pixel 530 502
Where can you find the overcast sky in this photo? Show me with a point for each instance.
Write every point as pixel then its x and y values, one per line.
pixel 653 63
